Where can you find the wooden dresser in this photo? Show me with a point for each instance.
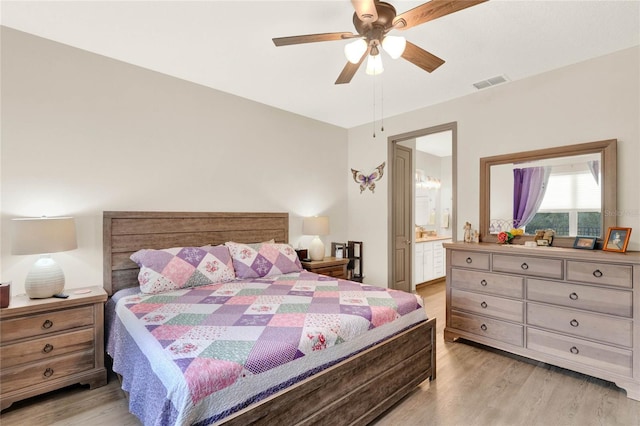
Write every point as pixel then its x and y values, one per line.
pixel 46 344
pixel 331 266
pixel 576 309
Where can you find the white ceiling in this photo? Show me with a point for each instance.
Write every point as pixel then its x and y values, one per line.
pixel 227 45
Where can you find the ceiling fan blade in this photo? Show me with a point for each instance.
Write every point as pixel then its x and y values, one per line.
pixel 312 38
pixel 420 57
pixel 429 11
pixel 365 10
pixel 350 69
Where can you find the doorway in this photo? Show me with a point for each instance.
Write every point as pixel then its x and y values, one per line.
pixel 440 209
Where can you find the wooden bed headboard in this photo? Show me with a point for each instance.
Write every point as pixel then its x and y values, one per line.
pixel 127 232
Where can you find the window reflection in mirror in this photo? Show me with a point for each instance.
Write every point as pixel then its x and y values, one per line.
pixel 565 196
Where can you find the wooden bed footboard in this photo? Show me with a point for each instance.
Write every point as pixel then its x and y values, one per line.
pixel 355 391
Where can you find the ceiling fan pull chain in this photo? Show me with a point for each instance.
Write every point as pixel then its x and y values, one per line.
pixel 374 106
pixel 381 105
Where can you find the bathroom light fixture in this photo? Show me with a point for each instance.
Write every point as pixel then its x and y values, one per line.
pixel 43 236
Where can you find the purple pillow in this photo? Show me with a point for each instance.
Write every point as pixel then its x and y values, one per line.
pixel 182 267
pixel 263 260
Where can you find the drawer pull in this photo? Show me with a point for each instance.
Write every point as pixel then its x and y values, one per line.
pixel 597 273
pixel 573 296
pixel 574 323
pixel 524 266
pixel 47 324
pixel 483 283
pixel 47 348
pixel 574 350
pixel 48 372
pixel 484 305
pixel 483 327
pixel 469 260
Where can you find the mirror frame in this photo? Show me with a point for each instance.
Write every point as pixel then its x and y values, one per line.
pixel 608 151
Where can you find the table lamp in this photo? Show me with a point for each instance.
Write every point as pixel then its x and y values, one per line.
pixel 316 226
pixel 43 236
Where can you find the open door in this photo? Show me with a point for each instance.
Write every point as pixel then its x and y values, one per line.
pixel 402 224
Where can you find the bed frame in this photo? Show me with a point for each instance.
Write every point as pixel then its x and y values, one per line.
pixel 354 391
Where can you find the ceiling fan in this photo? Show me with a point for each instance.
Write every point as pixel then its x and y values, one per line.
pixel 373 21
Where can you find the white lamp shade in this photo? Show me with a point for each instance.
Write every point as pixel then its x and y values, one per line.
pixel 374 65
pixel 317 225
pixel 394 46
pixel 354 50
pixel 43 235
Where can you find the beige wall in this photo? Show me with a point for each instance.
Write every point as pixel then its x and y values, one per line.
pixel 589 101
pixel 82 133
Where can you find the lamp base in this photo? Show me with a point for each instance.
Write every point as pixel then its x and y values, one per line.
pixel 44 279
pixel 316 249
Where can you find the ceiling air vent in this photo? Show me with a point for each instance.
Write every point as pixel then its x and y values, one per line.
pixel 490 82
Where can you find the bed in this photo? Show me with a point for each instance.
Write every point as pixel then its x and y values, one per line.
pixel 362 379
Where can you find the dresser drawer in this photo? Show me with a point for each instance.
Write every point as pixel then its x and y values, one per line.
pixel 51 322
pixel 592 354
pixel 46 347
pixel 583 324
pixel 29 375
pixel 497 307
pixel 502 285
pixel 600 273
pixel 470 259
pixel 525 265
pixel 596 299
pixel 512 334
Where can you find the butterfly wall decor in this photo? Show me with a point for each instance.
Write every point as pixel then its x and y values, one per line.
pixel 368 181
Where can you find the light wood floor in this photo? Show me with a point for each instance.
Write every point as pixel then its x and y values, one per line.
pixel 474 386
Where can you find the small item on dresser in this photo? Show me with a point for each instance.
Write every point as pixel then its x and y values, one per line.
pixel 467 232
pixel 476 236
pixel 5 294
pixel 60 295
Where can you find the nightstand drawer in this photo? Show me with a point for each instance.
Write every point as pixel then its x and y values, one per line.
pixel 51 322
pixel 28 375
pixel 46 347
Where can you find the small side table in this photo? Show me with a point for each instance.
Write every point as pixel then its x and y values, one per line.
pixel 46 344
pixel 331 266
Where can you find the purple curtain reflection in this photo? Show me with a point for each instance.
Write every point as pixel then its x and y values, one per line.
pixel 529 186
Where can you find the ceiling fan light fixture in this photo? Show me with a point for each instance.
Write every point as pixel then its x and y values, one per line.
pixel 394 45
pixel 374 65
pixel 354 50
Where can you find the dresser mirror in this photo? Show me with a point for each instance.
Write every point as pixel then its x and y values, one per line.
pixel 571 189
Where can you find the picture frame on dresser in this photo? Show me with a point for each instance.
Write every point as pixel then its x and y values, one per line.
pixel 585 243
pixel 617 239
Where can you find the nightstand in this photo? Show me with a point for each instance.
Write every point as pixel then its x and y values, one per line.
pixel 46 344
pixel 331 266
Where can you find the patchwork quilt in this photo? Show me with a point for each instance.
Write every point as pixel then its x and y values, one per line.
pixel 213 346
